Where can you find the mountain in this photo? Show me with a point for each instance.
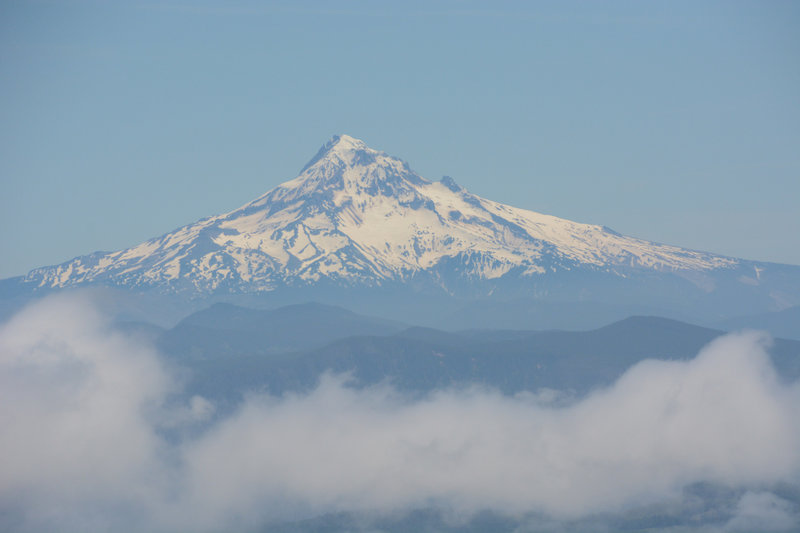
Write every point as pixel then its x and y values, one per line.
pixel 357 218
pixel 226 363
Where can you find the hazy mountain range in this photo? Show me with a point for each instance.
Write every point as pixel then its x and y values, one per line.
pixel 232 351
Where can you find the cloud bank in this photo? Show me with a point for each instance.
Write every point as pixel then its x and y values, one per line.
pixel 89 419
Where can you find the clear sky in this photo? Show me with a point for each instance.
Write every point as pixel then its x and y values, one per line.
pixel 677 122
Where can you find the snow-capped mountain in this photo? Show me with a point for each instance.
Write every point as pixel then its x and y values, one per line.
pixel 359 217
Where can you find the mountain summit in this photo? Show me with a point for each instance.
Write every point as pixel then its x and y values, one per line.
pixel 356 216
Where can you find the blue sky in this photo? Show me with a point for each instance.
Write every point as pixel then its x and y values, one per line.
pixel 675 121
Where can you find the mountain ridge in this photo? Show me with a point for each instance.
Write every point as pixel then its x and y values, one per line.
pixel 285 358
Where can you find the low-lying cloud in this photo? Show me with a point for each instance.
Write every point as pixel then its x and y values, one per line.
pixel 85 412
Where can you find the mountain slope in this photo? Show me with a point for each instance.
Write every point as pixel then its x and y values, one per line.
pixel 357 217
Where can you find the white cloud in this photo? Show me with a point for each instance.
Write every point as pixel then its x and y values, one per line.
pixel 762 511
pixel 81 408
pixel 74 397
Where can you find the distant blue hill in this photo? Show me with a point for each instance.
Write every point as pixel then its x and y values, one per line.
pixel 231 350
pixel 785 323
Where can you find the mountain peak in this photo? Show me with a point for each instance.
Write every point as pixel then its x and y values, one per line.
pixel 338 145
pixel 345 163
pixel 346 142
